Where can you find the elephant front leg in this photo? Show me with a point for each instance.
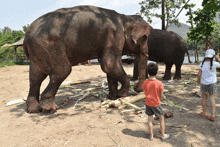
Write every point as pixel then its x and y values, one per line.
pixel 167 75
pixel 111 65
pixel 112 85
pixel 135 70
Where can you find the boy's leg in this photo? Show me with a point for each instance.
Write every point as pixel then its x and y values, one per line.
pixel 212 101
pixel 162 125
pixel 162 128
pixel 204 102
pixel 150 125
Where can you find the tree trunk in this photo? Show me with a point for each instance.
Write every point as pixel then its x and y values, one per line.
pixel 207 43
pixel 207 37
pixel 163 19
pixel 195 56
pixel 197 52
pixel 177 15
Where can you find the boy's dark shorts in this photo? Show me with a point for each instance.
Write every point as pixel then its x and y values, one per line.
pixel 154 110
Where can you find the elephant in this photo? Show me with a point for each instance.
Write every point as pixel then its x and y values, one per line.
pixel 65 37
pixel 168 47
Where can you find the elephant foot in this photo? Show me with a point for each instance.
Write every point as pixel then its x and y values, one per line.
pixel 112 97
pixel 47 105
pixel 33 105
pixel 166 78
pixel 177 77
pixel 123 93
pixel 134 79
pixel 138 87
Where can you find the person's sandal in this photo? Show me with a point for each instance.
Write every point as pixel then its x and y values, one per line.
pixel 210 118
pixel 151 139
pixel 203 115
pixel 168 136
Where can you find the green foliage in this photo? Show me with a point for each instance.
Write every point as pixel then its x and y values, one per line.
pixel 6 30
pixel 215 35
pixel 10 36
pixel 171 7
pixel 8 53
pixel 8 63
pixel 25 27
pixel 17 35
pixel 203 25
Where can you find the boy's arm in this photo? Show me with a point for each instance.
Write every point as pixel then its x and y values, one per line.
pixel 161 95
pixel 199 76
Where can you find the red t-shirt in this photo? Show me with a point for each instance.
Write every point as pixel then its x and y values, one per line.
pixel 152 90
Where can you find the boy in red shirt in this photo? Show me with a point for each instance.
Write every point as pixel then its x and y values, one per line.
pixel 154 94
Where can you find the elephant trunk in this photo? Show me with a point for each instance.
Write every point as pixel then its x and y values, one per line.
pixel 142 67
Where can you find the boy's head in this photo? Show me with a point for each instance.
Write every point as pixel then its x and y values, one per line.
pixel 152 69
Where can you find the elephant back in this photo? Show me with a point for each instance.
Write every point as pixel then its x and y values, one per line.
pixel 165 45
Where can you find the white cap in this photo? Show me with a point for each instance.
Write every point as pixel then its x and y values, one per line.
pixel 209 53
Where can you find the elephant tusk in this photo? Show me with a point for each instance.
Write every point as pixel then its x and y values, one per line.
pixel 145 54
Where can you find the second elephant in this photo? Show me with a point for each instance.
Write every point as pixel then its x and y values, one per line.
pixel 168 47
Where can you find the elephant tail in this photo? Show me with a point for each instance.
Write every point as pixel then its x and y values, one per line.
pixel 25 49
pixel 188 56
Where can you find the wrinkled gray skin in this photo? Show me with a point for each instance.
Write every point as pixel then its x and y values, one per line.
pixel 167 47
pixel 63 38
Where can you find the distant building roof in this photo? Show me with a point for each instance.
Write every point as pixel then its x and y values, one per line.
pixel 18 43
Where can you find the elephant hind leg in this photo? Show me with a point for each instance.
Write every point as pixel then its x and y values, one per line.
pixel 178 71
pixel 60 72
pixel 167 75
pixel 36 78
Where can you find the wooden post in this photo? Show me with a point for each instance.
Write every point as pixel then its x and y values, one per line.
pixel 16 53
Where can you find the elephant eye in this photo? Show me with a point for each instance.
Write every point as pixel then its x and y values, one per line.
pixel 144 38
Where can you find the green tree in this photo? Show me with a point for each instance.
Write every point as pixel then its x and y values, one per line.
pixel 6 38
pixel 10 36
pixel 204 27
pixel 6 30
pixel 17 35
pixel 168 8
pixel 25 27
pixel 215 35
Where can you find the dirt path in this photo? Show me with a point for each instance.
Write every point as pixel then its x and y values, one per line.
pixel 91 126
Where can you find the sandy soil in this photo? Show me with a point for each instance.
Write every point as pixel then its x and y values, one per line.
pixel 91 126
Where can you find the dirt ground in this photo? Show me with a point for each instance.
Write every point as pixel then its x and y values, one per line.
pixel 88 125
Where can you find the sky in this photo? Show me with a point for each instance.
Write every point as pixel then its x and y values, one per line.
pixel 17 13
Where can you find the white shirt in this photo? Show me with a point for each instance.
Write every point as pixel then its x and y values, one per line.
pixel 209 75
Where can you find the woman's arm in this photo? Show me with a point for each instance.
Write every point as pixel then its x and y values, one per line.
pixel 217 58
pixel 199 76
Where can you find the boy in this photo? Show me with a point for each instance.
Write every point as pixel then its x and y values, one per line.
pixel 207 80
pixel 154 94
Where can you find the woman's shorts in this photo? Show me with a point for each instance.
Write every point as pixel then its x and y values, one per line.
pixel 154 110
pixel 208 89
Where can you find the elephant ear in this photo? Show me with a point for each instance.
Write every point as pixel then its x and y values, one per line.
pixel 139 31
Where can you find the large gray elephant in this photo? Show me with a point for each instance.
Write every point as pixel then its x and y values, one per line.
pixel 168 47
pixel 63 38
